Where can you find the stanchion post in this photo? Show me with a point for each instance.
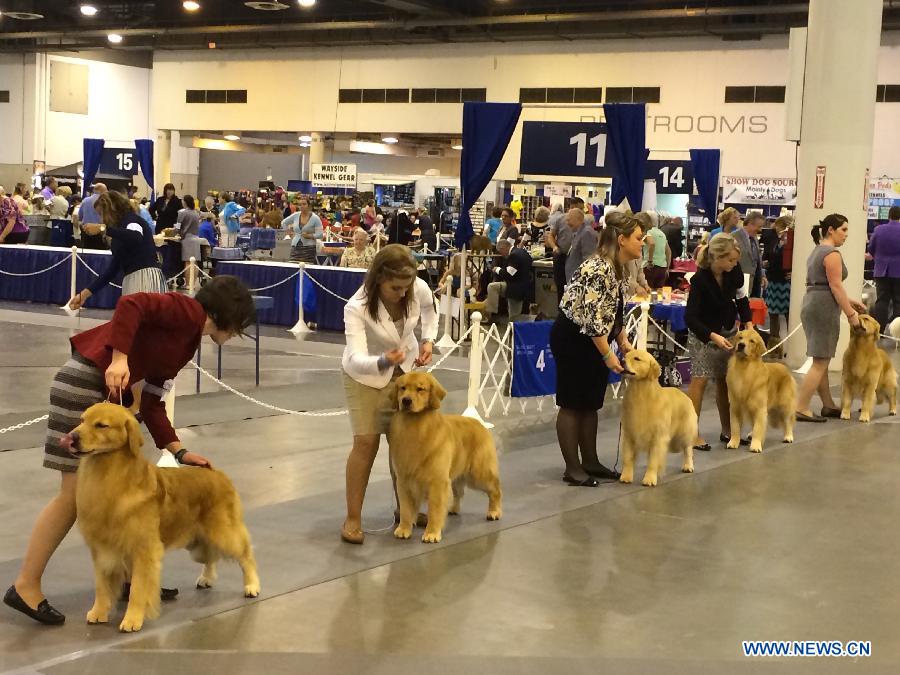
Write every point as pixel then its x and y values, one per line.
pixel 643 326
pixel 475 373
pixel 446 342
pixel 74 273
pixel 463 286
pixel 300 328
pixel 192 274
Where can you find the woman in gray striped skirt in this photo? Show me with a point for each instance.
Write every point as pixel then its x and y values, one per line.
pixel 132 246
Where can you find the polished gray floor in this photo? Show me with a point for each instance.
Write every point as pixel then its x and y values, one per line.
pixel 799 543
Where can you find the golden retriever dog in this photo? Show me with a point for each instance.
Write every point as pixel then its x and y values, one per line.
pixel 434 455
pixel 130 511
pixel 868 372
pixel 655 419
pixel 758 392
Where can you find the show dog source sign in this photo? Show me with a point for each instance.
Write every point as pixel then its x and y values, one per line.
pixel 748 190
pixel 333 175
pixel 819 199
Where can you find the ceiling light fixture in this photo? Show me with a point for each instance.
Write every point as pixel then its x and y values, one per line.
pixel 232 137
pixel 390 139
pixel 191 5
pixel 304 144
pixel 457 146
pixel 305 138
pixel 89 10
pixel 306 3
pixel 115 38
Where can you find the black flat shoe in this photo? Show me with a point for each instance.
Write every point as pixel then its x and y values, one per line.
pixel 803 417
pixel 832 413
pixel 45 612
pixel 603 473
pixel 587 482
pixel 421 519
pixel 706 447
pixel 165 594
pixel 725 439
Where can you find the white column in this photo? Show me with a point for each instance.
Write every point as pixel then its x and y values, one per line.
pixel 317 149
pixel 837 128
pixel 163 163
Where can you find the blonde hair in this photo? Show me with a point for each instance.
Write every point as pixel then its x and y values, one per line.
pixel 783 223
pixel 624 225
pixel 541 214
pixel 726 215
pixel 644 219
pixel 718 247
pixel 394 261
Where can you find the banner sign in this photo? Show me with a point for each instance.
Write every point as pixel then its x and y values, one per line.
pixel 673 177
pixel 564 149
pixel 119 162
pixel 333 175
pixel 883 194
pixel 533 366
pixel 746 190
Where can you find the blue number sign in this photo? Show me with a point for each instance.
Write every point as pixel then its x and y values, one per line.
pixel 534 369
pixel 564 149
pixel 119 162
pixel 673 177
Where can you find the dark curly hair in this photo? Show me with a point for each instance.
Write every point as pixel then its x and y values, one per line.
pixel 228 302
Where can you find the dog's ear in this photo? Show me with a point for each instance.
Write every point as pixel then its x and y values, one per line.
pixel 135 438
pixel 392 394
pixel 437 393
pixel 655 369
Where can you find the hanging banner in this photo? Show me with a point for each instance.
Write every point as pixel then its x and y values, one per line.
pixel 564 149
pixel 333 175
pixel 883 194
pixel 748 190
pixel 533 366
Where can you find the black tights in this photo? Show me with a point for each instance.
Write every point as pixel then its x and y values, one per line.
pixel 577 429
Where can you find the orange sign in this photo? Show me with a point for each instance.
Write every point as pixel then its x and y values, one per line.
pixel 819 198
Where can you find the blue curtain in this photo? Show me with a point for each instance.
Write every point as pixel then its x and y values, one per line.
pixel 487 128
pixel 143 148
pixel 93 153
pixel 706 175
pixel 626 124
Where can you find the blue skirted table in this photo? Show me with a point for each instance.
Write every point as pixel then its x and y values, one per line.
pixel 666 313
pixel 281 281
pixel 51 285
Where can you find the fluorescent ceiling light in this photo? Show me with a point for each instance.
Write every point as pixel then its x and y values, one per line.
pixel 191 5
pixel 306 3
pixel 232 137
pixel 305 144
pixel 457 147
pixel 305 138
pixel 390 139
pixel 115 38
pixel 89 10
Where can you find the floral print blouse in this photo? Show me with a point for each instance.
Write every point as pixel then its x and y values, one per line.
pixel 593 295
pixel 353 258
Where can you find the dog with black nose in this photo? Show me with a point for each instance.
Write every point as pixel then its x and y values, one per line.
pixel 435 456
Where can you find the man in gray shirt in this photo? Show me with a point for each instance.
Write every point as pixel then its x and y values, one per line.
pixel 584 242
pixel 751 261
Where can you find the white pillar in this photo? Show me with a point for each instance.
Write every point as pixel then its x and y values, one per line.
pixel 316 149
pixel 475 372
pixel 837 128
pixel 163 164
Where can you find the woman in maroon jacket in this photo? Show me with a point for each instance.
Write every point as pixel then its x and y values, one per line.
pixel 104 361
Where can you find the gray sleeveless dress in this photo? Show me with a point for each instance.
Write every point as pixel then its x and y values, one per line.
pixel 820 314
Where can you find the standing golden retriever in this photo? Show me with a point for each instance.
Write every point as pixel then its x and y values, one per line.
pixel 434 454
pixel 868 372
pixel 656 420
pixel 758 392
pixel 130 511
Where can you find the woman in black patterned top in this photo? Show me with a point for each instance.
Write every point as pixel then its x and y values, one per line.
pixel 590 318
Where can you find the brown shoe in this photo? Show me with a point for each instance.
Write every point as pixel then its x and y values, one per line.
pixel 356 537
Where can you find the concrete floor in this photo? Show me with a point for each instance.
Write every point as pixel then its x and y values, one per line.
pixel 798 543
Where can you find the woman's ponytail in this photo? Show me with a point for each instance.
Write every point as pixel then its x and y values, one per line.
pixel 830 222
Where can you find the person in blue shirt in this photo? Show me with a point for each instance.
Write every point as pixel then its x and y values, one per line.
pixel 493 224
pixel 308 230
pixel 144 213
pixel 231 214
pixel 208 223
pixel 728 221
pixel 87 215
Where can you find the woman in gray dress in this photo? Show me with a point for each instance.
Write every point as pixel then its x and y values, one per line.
pixel 188 224
pixel 820 315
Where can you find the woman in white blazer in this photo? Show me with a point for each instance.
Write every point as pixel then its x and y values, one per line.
pixel 379 321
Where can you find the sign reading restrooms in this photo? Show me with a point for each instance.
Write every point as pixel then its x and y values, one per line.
pixel 333 175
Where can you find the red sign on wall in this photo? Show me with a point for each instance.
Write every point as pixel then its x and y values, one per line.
pixel 819 198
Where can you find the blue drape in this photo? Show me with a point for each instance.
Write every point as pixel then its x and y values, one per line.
pixel 626 124
pixel 93 153
pixel 706 175
pixel 143 149
pixel 487 128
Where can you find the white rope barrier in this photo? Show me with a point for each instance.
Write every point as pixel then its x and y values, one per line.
pixel 456 345
pixel 92 271
pixel 22 425
pixel 787 337
pixel 327 290
pixel 671 339
pixel 279 283
pixel 34 274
